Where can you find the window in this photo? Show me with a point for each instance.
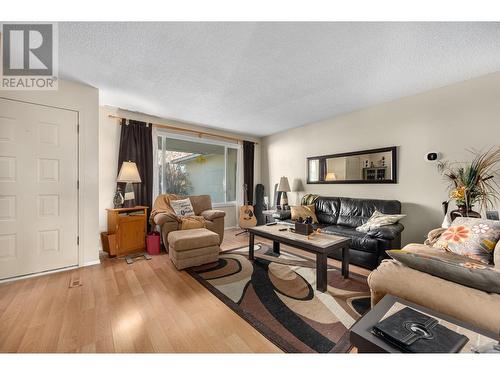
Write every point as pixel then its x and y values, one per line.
pixel 193 167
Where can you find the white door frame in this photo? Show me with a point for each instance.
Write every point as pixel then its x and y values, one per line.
pixel 80 182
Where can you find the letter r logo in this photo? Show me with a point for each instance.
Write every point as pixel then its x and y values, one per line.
pixel 27 50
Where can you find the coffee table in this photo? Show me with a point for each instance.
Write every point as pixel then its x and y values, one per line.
pixel 366 342
pixel 320 244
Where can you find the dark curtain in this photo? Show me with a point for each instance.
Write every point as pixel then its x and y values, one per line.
pixel 248 152
pixel 136 144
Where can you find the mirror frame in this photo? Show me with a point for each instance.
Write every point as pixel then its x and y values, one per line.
pixel 394 168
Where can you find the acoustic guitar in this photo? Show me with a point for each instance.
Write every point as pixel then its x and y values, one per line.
pixel 247 216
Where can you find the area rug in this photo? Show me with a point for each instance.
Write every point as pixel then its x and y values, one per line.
pixel 277 295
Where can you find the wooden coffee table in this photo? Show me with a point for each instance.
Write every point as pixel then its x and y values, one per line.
pixel 361 335
pixel 320 244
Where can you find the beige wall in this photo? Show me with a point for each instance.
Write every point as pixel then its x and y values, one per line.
pixel 85 100
pixel 109 140
pixel 449 120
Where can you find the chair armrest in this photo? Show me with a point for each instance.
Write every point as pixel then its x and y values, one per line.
pixel 283 215
pixel 212 214
pixel 387 232
pixel 160 219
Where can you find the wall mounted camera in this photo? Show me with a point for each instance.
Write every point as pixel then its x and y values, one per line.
pixel 432 156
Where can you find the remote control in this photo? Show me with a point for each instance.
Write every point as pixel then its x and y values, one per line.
pixel 274 223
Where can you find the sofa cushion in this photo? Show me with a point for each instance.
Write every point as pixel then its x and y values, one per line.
pixel 200 203
pixel 387 232
pixel 359 241
pixel 182 240
pixel 355 212
pixel 193 222
pixel 327 209
pixel 474 238
pixel 452 267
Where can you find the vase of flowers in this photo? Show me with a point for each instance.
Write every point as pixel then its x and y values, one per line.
pixel 472 182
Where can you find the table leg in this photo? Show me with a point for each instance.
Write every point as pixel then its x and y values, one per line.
pixel 321 272
pixel 276 247
pixel 251 240
pixel 345 262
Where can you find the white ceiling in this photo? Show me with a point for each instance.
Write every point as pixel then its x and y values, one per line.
pixel 261 78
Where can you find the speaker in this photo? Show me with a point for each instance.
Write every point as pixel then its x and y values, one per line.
pixel 259 204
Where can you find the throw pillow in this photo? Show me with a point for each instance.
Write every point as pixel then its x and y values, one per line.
pixel 304 212
pixel 471 237
pixel 182 207
pixel 377 220
pixel 452 267
pixel 496 255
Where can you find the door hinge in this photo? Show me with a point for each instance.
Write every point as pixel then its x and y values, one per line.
pixel 78 184
pixel 78 128
pixel 78 240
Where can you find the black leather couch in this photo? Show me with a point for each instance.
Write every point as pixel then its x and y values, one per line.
pixel 341 216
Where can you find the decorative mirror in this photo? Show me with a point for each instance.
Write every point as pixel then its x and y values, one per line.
pixel 378 166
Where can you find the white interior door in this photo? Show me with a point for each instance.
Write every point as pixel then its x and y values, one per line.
pixel 38 188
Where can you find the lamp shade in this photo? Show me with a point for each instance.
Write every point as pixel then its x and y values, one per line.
pixel 128 173
pixel 284 185
pixel 330 176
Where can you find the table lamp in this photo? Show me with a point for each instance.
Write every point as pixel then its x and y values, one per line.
pixel 130 175
pixel 284 187
pixel 330 176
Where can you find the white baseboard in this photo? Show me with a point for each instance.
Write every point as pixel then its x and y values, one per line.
pixel 91 263
pixel 86 264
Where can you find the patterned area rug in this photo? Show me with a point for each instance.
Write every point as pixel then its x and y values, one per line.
pixel 277 295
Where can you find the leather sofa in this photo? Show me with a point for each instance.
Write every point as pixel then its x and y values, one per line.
pixel 341 216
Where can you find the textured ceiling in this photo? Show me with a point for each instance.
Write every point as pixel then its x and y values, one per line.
pixel 261 78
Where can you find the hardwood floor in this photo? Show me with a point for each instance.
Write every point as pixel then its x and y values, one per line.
pixel 148 306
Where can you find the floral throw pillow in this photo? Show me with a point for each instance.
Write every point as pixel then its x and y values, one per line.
pixel 474 238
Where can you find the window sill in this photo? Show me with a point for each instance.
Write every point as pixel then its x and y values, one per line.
pixel 222 205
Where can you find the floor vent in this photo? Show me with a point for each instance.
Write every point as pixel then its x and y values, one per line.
pixel 75 281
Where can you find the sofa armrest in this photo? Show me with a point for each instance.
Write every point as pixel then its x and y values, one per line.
pixel 212 214
pixel 282 214
pixel 161 219
pixel 387 232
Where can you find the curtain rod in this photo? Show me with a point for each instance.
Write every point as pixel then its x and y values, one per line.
pixel 198 132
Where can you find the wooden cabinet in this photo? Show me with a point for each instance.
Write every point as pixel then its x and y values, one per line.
pixel 128 226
